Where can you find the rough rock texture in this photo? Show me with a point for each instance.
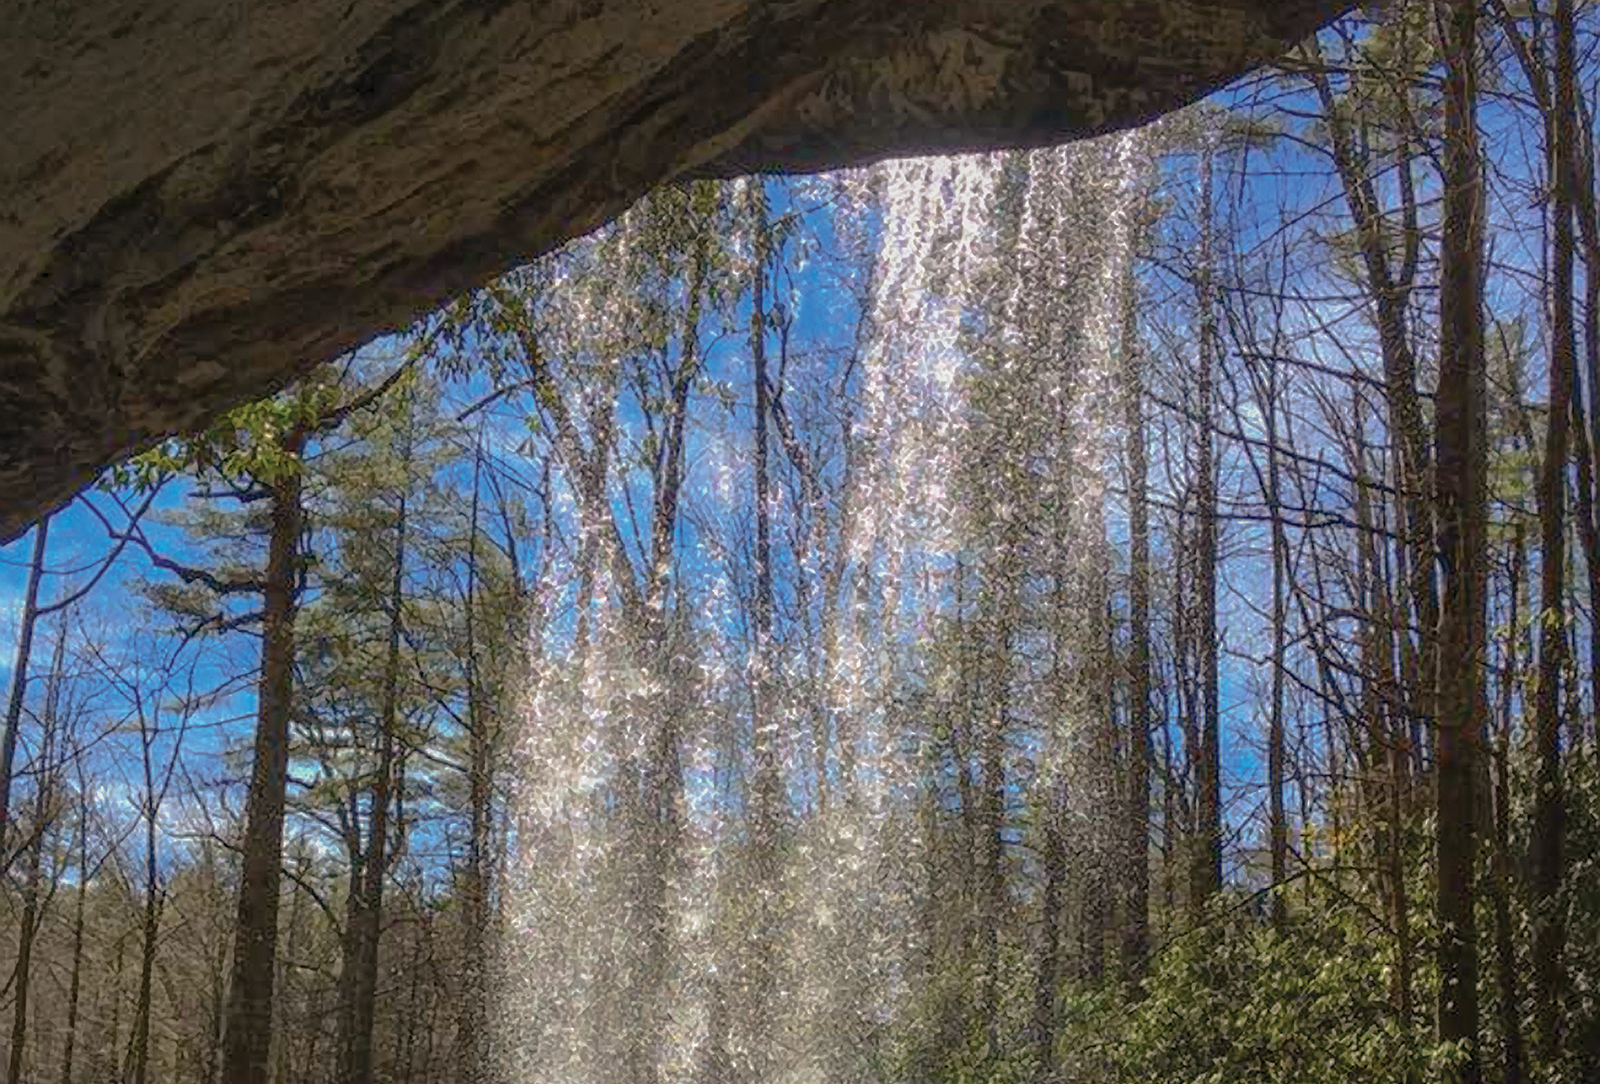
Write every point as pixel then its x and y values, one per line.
pixel 197 197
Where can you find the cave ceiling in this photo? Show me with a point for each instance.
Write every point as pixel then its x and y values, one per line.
pixel 200 198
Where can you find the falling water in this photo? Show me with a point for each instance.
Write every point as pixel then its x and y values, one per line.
pixel 993 350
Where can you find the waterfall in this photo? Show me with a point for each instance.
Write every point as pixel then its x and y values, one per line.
pixel 982 436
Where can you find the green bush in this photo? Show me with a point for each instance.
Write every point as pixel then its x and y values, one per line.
pixel 1235 1002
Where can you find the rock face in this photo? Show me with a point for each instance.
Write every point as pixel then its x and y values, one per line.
pixel 199 197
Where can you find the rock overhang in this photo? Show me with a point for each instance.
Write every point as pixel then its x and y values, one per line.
pixel 198 200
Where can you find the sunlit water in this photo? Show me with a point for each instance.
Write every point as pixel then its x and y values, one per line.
pixel 646 938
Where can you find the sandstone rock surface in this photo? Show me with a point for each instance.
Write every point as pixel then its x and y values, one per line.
pixel 198 197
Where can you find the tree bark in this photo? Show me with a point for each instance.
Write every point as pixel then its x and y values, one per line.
pixel 1460 489
pixel 139 1043
pixel 1547 834
pixel 1136 938
pixel 75 984
pixel 1504 937
pixel 1277 824
pixel 472 1047
pixel 991 821
pixel 358 978
pixel 248 1040
pixel 1205 876
pixel 1385 720
pixel 1048 968
pixel 19 679
pixel 27 933
pixel 763 718
pixel 43 816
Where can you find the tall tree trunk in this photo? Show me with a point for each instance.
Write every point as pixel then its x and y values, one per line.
pixel 288 987
pixel 27 933
pixel 991 817
pixel 472 1054
pixel 359 976
pixel 139 1043
pixel 1277 825
pixel 1386 721
pixel 1504 937
pixel 1586 430
pixel 1099 698
pixel 249 1031
pixel 110 1051
pixel 1548 830
pixel 1170 821
pixel 1048 969
pixel 1136 936
pixel 1461 478
pixel 660 825
pixel 19 681
pixel 1205 876
pixel 43 816
pixel 1585 510
pixel 405 1054
pixel 763 717
pixel 75 984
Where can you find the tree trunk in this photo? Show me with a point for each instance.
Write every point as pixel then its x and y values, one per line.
pixel 288 987
pixel 1277 825
pixel 1586 430
pixel 1547 833
pixel 75 984
pixel 1504 937
pixel 43 816
pixel 139 1043
pixel 991 800
pixel 1170 823
pixel 1048 968
pixel 249 1031
pixel 659 822
pixel 27 932
pixel 763 718
pixel 1205 875
pixel 1386 721
pixel 105 1059
pixel 1136 936
pixel 358 979
pixel 19 681
pixel 1461 476
pixel 472 1040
